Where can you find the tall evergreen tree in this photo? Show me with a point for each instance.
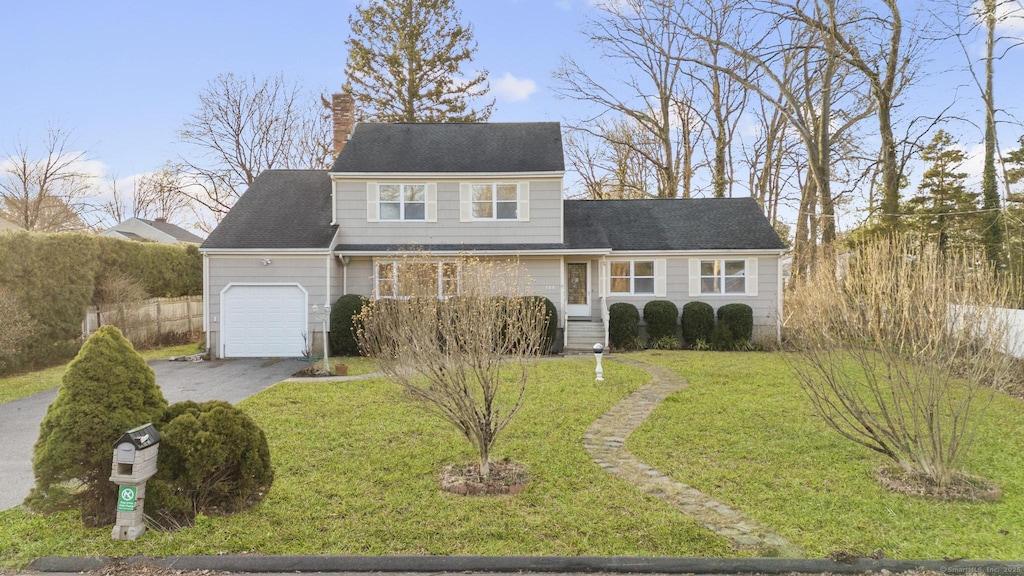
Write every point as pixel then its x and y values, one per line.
pixel 992 226
pixel 945 211
pixel 405 63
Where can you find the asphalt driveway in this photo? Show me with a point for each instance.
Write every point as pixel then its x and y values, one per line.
pixel 231 380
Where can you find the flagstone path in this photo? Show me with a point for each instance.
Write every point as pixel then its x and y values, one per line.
pixel 605 441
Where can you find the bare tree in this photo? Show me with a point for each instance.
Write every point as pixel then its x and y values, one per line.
pixel 46 192
pixel 244 126
pixel 464 358
pixel 642 37
pixel 897 348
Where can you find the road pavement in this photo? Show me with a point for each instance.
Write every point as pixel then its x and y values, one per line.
pixel 230 380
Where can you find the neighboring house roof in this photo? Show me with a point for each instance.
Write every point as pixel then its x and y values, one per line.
pixel 453 148
pixel 179 233
pixel 282 209
pixel 8 226
pixel 669 225
pixel 128 235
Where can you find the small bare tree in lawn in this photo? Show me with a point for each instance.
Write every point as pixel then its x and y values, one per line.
pixel 458 336
pixel 901 351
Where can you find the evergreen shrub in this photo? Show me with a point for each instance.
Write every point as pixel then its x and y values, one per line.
pixel 343 325
pixel 662 319
pixel 106 390
pixel 739 318
pixel 624 326
pixel 698 320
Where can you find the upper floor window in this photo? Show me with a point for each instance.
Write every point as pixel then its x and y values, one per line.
pixel 723 276
pixel 495 201
pixel 632 277
pixel 406 279
pixel 403 201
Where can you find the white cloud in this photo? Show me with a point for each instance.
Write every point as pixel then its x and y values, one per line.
pixel 1009 15
pixel 514 89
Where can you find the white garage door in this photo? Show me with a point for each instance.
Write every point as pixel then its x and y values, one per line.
pixel 263 321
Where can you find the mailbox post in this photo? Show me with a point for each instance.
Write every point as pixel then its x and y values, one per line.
pixel 134 463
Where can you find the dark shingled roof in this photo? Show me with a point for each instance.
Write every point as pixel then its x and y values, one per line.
pixel 669 224
pixel 282 209
pixel 499 147
pixel 179 233
pixel 519 247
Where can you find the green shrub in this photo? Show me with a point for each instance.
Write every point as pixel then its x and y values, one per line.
pixel 107 390
pixel 343 337
pixel 698 322
pixel 739 319
pixel 722 338
pixel 624 326
pixel 213 459
pixel 662 319
pixel 551 327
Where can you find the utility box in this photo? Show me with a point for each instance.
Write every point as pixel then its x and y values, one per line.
pixel 134 462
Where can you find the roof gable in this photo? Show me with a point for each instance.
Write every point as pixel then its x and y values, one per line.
pixel 669 225
pixel 173 230
pixel 453 148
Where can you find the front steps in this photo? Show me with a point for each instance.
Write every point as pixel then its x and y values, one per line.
pixel 583 334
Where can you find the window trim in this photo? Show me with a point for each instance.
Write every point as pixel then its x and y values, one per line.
pixel 722 276
pixel 633 277
pixel 395 264
pixel 494 201
pixel 402 201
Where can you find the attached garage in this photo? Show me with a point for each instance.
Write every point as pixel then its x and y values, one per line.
pixel 263 320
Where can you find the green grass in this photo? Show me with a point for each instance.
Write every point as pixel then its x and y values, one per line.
pixel 14 387
pixel 356 473
pixel 744 432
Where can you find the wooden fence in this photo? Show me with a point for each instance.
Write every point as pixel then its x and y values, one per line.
pixel 152 322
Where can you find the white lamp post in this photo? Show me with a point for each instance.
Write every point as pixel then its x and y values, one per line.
pixel 323 315
pixel 598 350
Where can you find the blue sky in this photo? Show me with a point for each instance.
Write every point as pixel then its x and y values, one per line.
pixel 125 75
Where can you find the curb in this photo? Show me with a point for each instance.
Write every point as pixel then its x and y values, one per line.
pixel 253 563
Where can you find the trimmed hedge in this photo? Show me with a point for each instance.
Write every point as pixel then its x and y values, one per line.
pixel 624 325
pixel 739 319
pixel 662 319
pixel 551 327
pixel 54 276
pixel 343 325
pixel 698 322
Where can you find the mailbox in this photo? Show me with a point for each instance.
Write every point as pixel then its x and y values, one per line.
pixel 134 462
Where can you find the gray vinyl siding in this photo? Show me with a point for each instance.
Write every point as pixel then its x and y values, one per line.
pixel 677 271
pixel 544 226
pixel 310 272
pixel 358 279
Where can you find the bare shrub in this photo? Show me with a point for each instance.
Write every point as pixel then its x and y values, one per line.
pixel 897 347
pixel 119 297
pixel 457 336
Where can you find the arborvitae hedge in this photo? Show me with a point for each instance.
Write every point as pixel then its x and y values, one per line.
pixel 343 337
pixel 739 319
pixel 107 390
pixel 55 277
pixel 698 322
pixel 551 328
pixel 623 325
pixel 662 319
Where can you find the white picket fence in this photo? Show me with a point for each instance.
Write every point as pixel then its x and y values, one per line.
pixel 154 320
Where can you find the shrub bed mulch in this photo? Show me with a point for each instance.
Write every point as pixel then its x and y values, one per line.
pixel 506 478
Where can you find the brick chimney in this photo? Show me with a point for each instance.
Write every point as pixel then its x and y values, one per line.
pixel 343 110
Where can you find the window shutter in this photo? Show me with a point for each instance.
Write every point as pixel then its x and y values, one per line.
pixel 751 276
pixel 372 202
pixel 523 209
pixel 660 279
pixel 431 205
pixel 694 277
pixel 465 204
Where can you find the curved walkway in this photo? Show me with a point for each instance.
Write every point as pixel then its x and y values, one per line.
pixel 605 441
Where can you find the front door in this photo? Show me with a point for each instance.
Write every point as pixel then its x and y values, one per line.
pixel 578 286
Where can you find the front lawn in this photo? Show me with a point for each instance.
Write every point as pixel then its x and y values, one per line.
pixel 14 387
pixel 356 473
pixel 744 432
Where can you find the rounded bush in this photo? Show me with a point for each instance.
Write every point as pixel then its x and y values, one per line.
pixel 213 459
pixel 661 317
pixel 343 337
pixel 106 390
pixel 623 325
pixel 551 327
pixel 739 319
pixel 698 322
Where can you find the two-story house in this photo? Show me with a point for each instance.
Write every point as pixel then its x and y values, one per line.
pixel 302 237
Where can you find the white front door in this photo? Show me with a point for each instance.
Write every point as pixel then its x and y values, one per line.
pixel 577 280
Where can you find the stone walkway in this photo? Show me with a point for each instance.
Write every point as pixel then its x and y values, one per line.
pixel 605 442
